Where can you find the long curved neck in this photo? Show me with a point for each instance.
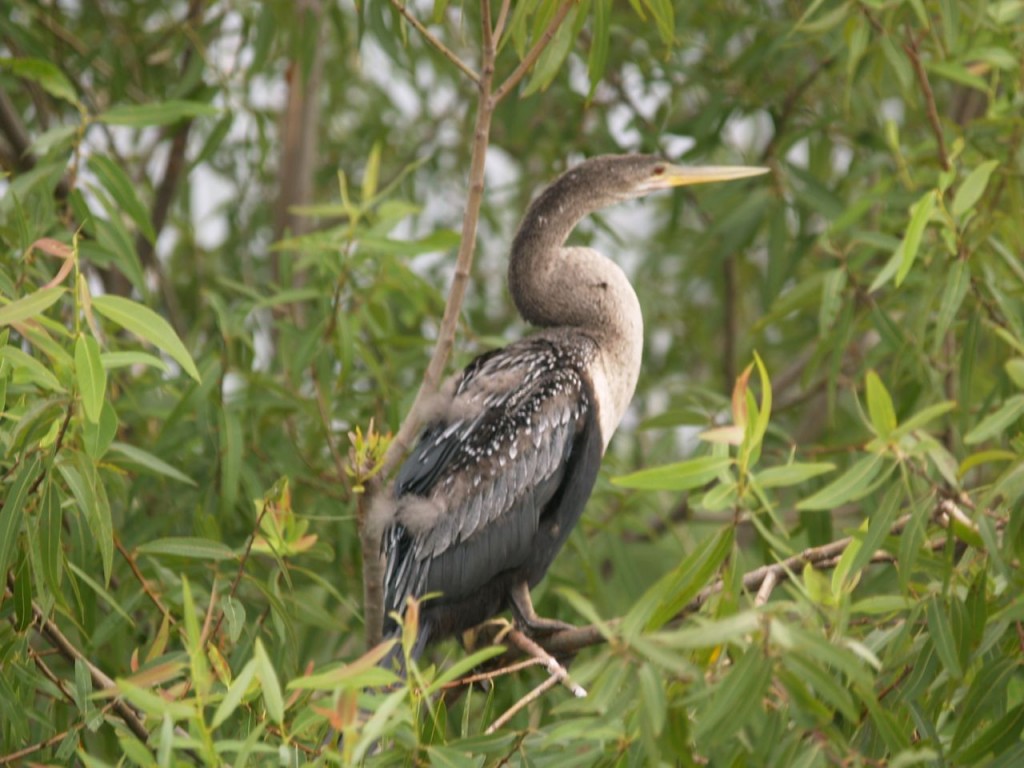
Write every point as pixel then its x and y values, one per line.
pixel 579 289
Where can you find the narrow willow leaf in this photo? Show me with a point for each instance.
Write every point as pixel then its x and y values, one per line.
pixel 735 698
pixel 597 58
pixel 112 360
pixel 269 684
pixel 550 61
pixel 160 113
pixel 920 213
pixel 79 473
pixel 201 679
pixel 792 474
pixel 831 299
pixel 361 673
pixel 853 484
pixel 11 517
pixel 922 417
pixel 1003 733
pixel 50 529
pixel 195 548
pixel 145 460
pixel 371 176
pixel 462 666
pixel 996 423
pixel 957 282
pixel 27 367
pixel 32 305
pixel 231 459
pixel 681 476
pixel 121 188
pixel 983 697
pixel 92 378
pixel 880 408
pixel 96 438
pixel 942 636
pixel 236 691
pixel 878 527
pixel 973 188
pixel 44 73
pixel 147 325
pixel 673 591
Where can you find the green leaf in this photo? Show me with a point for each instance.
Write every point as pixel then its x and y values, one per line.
pixel 853 484
pixel 201 679
pixel 792 474
pixel 371 176
pixel 28 368
pixel 238 688
pixel 880 408
pixel 735 698
pixel 79 473
pixel 45 73
pixel 597 58
pixel 996 423
pixel 112 360
pixel 361 673
pixel 673 591
pixel 997 737
pixel 269 683
pixel 145 460
pixel 195 548
pixel 50 529
pixel 920 213
pixel 922 417
pixel 682 476
pixel 96 438
pixel 553 56
pixel 11 517
pixel 147 325
pixel 973 187
pixel 158 113
pixel 942 636
pixel 92 379
pixel 32 305
pixel 122 190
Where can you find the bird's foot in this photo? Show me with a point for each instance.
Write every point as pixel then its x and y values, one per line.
pixel 527 618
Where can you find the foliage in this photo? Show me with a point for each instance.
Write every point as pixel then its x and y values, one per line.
pixel 211 320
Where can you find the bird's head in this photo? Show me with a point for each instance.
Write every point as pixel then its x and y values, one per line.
pixel 623 177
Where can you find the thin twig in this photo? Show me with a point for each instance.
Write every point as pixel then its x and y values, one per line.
pixel 14 757
pixel 143 582
pixel 238 575
pixel 443 49
pixel 533 695
pixel 493 674
pixel 534 53
pixel 765 591
pixel 910 46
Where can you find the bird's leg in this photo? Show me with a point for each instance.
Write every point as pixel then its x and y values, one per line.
pixel 527 618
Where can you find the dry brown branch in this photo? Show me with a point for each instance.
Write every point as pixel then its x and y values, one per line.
pixel 766 588
pixel 443 49
pixel 16 757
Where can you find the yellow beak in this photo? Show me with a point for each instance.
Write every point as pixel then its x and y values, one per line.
pixel 681 175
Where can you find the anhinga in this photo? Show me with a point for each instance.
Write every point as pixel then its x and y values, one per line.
pixel 501 473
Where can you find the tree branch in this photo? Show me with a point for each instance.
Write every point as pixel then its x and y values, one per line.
pixel 910 46
pixel 534 53
pixel 443 49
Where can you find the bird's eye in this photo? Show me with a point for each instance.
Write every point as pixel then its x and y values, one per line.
pixel 658 170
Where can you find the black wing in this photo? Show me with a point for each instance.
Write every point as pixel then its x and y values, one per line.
pixel 475 491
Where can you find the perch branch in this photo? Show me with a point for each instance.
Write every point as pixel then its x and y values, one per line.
pixel 533 695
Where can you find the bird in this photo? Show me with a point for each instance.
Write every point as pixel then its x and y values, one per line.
pixel 503 468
